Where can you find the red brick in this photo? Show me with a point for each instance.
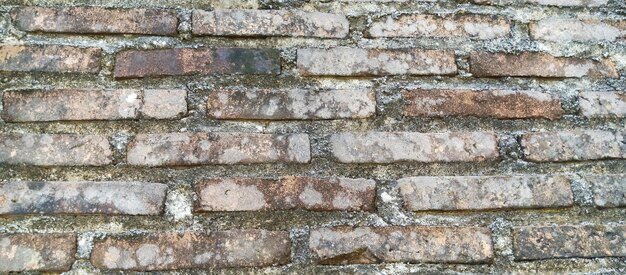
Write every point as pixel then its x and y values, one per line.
pixel 95 20
pixel 573 145
pixel 428 25
pixel 190 61
pixel 49 58
pixel 171 251
pixel 37 252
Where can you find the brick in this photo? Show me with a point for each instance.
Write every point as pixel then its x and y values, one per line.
pixel 286 193
pixel 573 145
pixel 49 58
pixel 602 104
pixel 55 197
pixel 485 192
pixel 608 190
pixel 169 251
pixel 559 3
pixel 368 245
pixel 536 243
pixel 391 147
pixel 489 103
pixel 175 149
pixel 99 20
pixel 37 252
pixel 294 23
pixel 291 104
pixel 539 65
pixel 55 149
pixel 190 61
pixel 375 62
pixel 567 29
pixel 59 105
pixel 428 25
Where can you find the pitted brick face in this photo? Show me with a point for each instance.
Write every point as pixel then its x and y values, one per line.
pixel 602 104
pixel 573 145
pixel 37 252
pixel 426 25
pixel 608 190
pixel 49 58
pixel 565 29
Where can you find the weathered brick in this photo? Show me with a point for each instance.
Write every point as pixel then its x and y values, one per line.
pixel 488 103
pixel 367 245
pixel 560 3
pixel 375 62
pixel 291 104
pixel 49 58
pixel 174 149
pixel 567 29
pixel 428 25
pixel 485 192
pixel 169 251
pixel 95 20
pixel 293 23
pixel 573 145
pixel 190 61
pixel 602 104
pixel 55 149
pixel 538 64
pixel 54 197
pixel 286 193
pixel 390 147
pixel 608 190
pixel 55 105
pixel 535 243
pixel 37 252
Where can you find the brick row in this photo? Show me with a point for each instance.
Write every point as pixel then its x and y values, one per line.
pixel 558 3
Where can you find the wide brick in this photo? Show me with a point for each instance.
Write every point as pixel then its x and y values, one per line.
pixel 390 147
pixel 291 104
pixel 427 25
pixel 375 62
pixel 567 29
pixel 37 252
pixel 190 61
pixel 485 192
pixel 49 58
pixel 602 104
pixel 55 149
pixel 608 190
pixel 488 103
pixel 286 193
pixel 55 105
pixel 173 149
pixel 169 251
pixel 293 23
pixel 535 243
pixel 560 3
pixel 538 64
pixel 573 145
pixel 368 245
pixel 54 197
pixel 95 20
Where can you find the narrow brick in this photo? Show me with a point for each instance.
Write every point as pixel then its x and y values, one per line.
pixel 559 29
pixel 574 145
pixel 485 192
pixel 490 103
pixel 608 190
pixel 170 251
pixel 54 197
pixel 59 105
pixel 175 149
pixel 55 149
pixel 49 58
pixel 189 61
pixel 454 25
pixel 558 3
pixel 375 62
pixel 87 20
pixel 539 65
pixel 294 23
pixel 37 252
pixel 602 104
pixel 286 193
pixel 291 104
pixel 536 243
pixel 390 147
pixel 368 245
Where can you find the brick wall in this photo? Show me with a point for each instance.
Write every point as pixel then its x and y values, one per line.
pixel 313 137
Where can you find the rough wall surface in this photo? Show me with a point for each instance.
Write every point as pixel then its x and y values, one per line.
pixel 313 137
